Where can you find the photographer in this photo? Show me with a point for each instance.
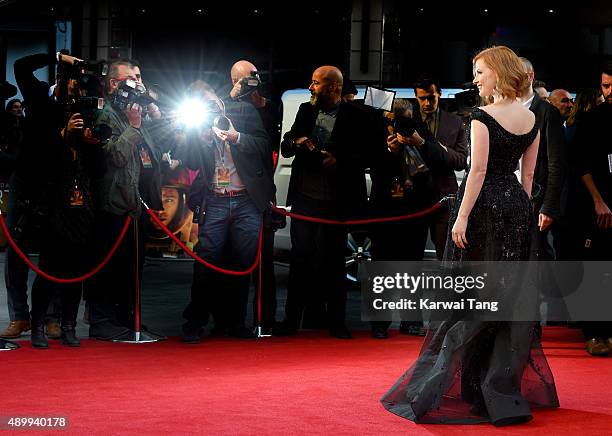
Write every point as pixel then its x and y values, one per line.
pixel 402 183
pixel 247 84
pixel 132 158
pixel 57 162
pixel 330 140
pixel 232 152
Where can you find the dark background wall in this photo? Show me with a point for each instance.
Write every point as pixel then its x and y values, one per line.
pixel 181 41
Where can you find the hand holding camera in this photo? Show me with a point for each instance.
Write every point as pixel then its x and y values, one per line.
pixel 134 115
pixel 304 143
pixel 415 139
pixel 230 134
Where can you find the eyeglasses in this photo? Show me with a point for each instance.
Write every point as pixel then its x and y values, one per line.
pixel 567 100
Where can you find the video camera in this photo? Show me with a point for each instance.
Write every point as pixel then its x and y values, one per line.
pixel 130 92
pixel 89 99
pixel 249 84
pixel 467 99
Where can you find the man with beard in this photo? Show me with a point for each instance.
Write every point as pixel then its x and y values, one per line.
pixel 328 141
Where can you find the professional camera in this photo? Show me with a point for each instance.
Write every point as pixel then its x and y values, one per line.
pixel 412 160
pixel 249 84
pixel 405 126
pixel 130 92
pixel 467 99
pixel 88 100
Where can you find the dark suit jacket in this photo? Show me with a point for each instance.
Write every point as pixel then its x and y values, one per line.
pixel 551 166
pixel 444 163
pixel 351 141
pixel 251 156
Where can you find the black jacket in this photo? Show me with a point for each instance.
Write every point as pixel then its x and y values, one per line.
pixel 252 156
pixel 444 163
pixel 551 165
pixel 352 142
pixel 594 144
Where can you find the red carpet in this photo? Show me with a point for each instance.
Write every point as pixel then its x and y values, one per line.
pixel 307 384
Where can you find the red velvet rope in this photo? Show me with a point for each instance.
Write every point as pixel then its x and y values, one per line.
pixel 198 258
pixel 82 278
pixel 362 221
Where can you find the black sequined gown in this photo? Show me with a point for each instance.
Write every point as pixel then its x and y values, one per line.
pixel 470 371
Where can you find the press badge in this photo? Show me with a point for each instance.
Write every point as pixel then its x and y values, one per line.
pixel 145 158
pixel 223 176
pixel 76 196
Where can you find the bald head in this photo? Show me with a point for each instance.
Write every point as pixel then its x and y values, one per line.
pixel 562 100
pixel 241 69
pixel 330 74
pixel 326 87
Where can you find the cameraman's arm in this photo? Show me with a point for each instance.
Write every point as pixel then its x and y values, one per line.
pixel 447 156
pixel 252 136
pixel 288 146
pixel 32 89
pixel 121 145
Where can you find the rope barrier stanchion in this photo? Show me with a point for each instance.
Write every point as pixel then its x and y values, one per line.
pixel 137 336
pixel 40 272
pixel 258 327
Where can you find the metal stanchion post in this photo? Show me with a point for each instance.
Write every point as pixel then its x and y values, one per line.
pixel 8 345
pixel 259 330
pixel 137 336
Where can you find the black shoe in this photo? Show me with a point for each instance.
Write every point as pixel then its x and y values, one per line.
pixel 417 330
pixel 379 333
pixel 39 338
pixel 242 332
pixel 192 334
pixel 219 330
pixel 404 327
pixel 340 332
pixel 412 328
pixel 106 330
pixel 284 328
pixel 68 336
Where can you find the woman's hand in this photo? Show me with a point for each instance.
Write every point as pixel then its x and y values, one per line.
pixel 458 232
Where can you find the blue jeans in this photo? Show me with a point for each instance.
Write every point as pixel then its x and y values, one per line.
pixel 233 222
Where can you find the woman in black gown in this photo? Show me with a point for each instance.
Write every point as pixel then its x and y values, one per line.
pixel 471 371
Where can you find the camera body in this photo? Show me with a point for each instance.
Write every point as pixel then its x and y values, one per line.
pixel 130 92
pixel 405 126
pixel 249 84
pixel 89 100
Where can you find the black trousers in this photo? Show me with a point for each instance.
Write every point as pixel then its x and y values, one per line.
pixel 406 240
pixel 317 274
pixel 600 249
pixel 65 261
